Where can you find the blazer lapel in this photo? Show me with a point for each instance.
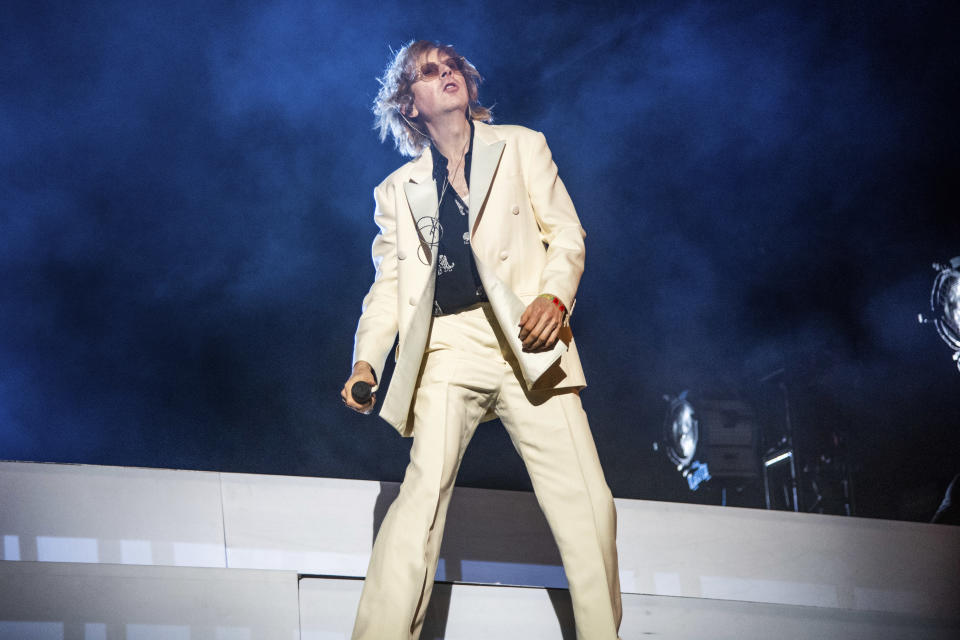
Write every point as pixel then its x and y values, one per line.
pixel 421 192
pixel 486 159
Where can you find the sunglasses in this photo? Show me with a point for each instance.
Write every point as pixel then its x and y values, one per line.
pixel 431 70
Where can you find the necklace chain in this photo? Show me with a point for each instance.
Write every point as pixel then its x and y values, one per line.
pixel 446 178
pixel 436 230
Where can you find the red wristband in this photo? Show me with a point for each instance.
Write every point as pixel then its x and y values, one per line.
pixel 555 300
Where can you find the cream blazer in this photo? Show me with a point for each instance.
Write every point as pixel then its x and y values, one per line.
pixel 526 239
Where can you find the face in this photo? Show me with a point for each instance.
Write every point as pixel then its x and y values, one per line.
pixel 440 88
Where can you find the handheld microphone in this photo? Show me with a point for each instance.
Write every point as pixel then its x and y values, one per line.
pixel 362 391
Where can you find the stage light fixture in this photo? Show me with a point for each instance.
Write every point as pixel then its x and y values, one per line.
pixel 945 305
pixel 679 440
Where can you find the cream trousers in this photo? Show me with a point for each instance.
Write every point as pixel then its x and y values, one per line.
pixel 468 372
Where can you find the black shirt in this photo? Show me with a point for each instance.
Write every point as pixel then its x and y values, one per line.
pixel 458 283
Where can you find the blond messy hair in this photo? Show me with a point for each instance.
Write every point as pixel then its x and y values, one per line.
pixel 395 97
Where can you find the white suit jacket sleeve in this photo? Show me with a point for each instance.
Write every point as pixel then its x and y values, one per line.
pixel 559 225
pixel 377 328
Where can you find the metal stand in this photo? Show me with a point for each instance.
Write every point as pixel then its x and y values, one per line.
pixel 777 459
pixel 783 453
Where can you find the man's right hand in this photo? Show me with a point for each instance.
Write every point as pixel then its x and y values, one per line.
pixel 362 372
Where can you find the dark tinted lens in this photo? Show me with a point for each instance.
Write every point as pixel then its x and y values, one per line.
pixel 429 70
pixel 455 63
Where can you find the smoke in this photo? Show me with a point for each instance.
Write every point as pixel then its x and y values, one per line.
pixel 186 216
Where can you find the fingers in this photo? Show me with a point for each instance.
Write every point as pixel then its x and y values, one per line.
pixel 346 395
pixel 538 334
pixel 528 321
pixel 359 408
pixel 552 339
pixel 545 342
pixel 527 327
pixel 542 331
pixel 531 317
pixel 525 316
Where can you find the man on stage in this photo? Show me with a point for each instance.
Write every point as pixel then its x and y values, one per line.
pixel 478 259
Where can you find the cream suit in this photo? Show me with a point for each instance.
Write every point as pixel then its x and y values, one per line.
pixel 455 371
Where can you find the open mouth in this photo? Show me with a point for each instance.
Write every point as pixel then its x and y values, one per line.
pixel 449 86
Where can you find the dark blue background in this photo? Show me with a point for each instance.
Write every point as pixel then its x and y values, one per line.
pixel 186 219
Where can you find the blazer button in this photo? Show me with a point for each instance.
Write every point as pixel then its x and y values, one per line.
pixel 413 301
pixel 401 255
pixel 516 210
pixel 504 255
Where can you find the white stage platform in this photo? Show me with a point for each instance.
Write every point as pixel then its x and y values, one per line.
pixel 96 552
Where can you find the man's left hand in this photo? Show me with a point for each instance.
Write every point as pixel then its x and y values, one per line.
pixel 540 325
